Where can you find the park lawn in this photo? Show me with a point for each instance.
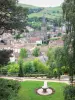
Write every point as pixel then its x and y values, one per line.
pixel 28 91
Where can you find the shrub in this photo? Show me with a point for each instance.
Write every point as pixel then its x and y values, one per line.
pixel 35 75
pixel 23 53
pixel 3 70
pixel 20 73
pixel 29 67
pixel 36 52
pixel 34 67
pixel 55 74
pixel 69 93
pixel 40 67
pixel 49 74
pixel 8 89
pixel 13 68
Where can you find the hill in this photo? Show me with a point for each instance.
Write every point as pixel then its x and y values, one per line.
pixel 26 6
pixel 50 12
pixel 35 14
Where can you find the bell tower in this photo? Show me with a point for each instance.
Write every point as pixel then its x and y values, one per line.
pixel 44 28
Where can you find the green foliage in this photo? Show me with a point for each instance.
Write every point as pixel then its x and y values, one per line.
pixel 69 40
pixel 5 56
pixel 20 73
pixel 56 61
pixel 35 67
pixel 12 16
pixel 23 53
pixel 3 70
pixel 40 67
pixel 29 67
pixel 65 70
pixel 60 59
pixel 55 72
pixel 22 68
pixel 18 36
pixel 35 75
pixel 69 93
pixel 59 34
pixel 13 68
pixel 8 89
pixel 36 52
pixel 53 39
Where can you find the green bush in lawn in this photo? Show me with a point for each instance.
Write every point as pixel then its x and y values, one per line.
pixel 8 89
pixel 69 93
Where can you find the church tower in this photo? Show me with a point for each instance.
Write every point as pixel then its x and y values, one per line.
pixel 44 28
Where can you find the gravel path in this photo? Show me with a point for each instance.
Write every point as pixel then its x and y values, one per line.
pixel 36 79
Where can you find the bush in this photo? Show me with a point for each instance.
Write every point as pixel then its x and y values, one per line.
pixel 3 70
pixel 36 52
pixel 40 67
pixel 35 75
pixel 23 53
pixel 49 74
pixel 13 68
pixel 8 89
pixel 55 74
pixel 29 67
pixel 20 73
pixel 69 93
pixel 34 67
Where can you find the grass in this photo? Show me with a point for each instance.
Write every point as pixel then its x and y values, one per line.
pixel 27 91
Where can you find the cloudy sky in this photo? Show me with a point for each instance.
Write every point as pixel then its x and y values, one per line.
pixel 42 3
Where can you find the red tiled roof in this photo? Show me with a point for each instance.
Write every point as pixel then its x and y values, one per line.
pixel 34 39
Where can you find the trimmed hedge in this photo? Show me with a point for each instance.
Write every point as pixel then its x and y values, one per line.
pixel 35 75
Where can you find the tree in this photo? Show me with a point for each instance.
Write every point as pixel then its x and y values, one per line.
pixel 29 67
pixel 59 56
pixel 56 60
pixel 69 41
pixel 8 89
pixel 5 56
pixel 11 15
pixel 20 73
pixel 23 53
pixel 51 62
pixel 36 52
pixel 69 93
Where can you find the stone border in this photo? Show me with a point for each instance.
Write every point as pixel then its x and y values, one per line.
pixel 53 91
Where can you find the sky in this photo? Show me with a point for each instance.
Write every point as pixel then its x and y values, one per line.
pixel 42 3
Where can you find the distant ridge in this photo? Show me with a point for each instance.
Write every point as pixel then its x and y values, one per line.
pixel 32 6
pixel 28 6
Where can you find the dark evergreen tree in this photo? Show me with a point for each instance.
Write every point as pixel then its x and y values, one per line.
pixel 20 73
pixel 11 15
pixel 5 56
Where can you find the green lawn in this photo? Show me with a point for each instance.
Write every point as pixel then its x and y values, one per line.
pixel 27 91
